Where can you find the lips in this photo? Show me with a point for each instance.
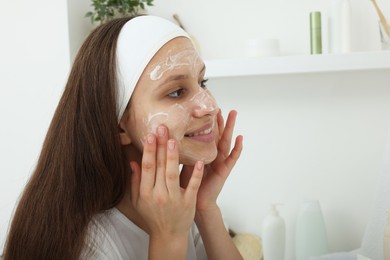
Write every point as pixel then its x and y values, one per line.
pixel 203 134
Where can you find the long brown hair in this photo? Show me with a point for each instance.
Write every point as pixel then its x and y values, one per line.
pixel 81 169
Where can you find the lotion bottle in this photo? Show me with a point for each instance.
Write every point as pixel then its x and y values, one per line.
pixel 274 235
pixel 386 240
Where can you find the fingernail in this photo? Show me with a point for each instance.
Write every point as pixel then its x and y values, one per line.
pixel 199 165
pixel 150 138
pixel 161 131
pixel 171 145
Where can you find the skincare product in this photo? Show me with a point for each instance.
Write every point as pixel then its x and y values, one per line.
pixel 274 235
pixel 339 26
pixel 310 234
pixel 386 240
pixel 256 48
pixel 315 33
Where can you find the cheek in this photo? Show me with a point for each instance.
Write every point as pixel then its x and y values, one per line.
pixel 177 118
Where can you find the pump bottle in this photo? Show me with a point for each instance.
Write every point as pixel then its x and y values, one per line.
pixel 274 235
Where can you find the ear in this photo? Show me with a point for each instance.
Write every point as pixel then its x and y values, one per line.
pixel 125 139
pixel 123 134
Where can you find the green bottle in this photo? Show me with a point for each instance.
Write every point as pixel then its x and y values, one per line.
pixel 315 33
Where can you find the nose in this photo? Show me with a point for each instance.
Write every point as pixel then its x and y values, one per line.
pixel 204 104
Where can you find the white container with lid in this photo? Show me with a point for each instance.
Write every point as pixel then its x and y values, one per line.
pixel 310 234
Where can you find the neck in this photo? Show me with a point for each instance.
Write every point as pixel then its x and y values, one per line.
pixel 125 206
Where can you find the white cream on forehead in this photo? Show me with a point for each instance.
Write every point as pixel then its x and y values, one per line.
pixel 187 57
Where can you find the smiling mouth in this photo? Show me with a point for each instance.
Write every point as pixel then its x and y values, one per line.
pixel 203 132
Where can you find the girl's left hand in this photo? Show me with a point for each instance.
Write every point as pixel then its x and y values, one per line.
pixel 216 173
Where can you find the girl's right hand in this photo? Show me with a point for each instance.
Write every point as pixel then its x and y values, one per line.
pixel 167 209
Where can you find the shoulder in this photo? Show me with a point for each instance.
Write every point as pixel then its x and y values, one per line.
pixel 113 236
pixel 100 240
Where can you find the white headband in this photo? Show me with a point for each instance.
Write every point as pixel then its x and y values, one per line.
pixel 139 40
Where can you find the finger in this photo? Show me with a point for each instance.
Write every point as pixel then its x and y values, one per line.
pixel 172 172
pixel 195 181
pixel 225 142
pixel 235 153
pixel 162 140
pixel 220 123
pixel 148 164
pixel 135 181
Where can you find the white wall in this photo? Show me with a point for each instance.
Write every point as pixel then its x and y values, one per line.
pixel 34 63
pixel 224 27
pixel 306 136
pixel 317 136
pixel 79 25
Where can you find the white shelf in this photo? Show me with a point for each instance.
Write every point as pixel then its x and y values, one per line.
pixel 280 65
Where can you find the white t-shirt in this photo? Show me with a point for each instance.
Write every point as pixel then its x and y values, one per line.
pixel 112 236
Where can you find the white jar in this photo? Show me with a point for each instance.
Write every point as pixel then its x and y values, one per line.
pixel 310 234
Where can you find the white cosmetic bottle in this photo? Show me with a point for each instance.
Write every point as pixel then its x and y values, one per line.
pixel 386 239
pixel 339 26
pixel 310 233
pixel 274 235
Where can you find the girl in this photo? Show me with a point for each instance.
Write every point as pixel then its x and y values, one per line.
pixel 107 183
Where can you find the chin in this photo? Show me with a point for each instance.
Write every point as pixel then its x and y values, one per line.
pixel 210 159
pixel 191 160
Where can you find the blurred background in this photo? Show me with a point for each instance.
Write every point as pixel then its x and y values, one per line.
pixel 307 135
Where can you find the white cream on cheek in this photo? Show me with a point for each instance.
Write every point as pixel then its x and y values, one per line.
pixel 176 117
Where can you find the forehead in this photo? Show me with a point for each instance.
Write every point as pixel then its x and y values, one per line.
pixel 175 45
pixel 176 54
pixel 177 58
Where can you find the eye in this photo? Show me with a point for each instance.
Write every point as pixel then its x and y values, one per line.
pixel 176 93
pixel 203 83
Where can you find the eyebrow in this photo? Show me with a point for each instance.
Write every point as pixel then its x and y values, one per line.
pixel 180 76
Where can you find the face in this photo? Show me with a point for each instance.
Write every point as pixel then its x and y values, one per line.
pixel 172 92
